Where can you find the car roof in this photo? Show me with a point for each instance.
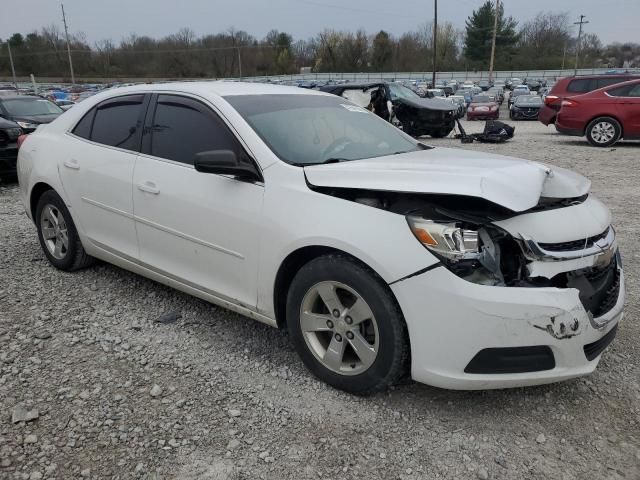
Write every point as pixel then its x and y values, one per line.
pixel 219 88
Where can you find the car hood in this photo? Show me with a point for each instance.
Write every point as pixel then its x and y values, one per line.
pixel 37 119
pixel 427 103
pixel 511 182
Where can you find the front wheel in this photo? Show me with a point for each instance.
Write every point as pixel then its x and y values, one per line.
pixel 58 235
pixel 346 325
pixel 603 132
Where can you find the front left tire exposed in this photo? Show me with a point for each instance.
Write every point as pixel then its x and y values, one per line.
pixel 346 325
pixel 58 235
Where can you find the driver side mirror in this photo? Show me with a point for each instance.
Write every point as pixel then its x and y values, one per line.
pixel 225 162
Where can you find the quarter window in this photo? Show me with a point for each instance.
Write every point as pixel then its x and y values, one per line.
pixel 83 127
pixel 183 127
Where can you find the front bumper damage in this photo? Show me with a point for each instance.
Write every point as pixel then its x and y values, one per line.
pixel 552 325
pixel 451 320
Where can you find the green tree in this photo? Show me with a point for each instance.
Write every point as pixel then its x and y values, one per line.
pixel 382 52
pixel 479 32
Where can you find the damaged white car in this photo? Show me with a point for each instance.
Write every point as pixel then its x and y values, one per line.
pixel 383 257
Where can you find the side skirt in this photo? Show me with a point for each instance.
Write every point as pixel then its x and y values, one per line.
pixel 105 253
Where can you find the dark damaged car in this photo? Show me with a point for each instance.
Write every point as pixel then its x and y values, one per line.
pixel 9 133
pixel 399 105
pixel 29 112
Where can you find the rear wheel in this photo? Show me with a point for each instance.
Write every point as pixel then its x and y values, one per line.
pixel 603 132
pixel 58 235
pixel 346 325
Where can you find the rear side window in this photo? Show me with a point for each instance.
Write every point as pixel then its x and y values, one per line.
pixel 117 121
pixel 183 127
pixel 580 85
pixel 605 82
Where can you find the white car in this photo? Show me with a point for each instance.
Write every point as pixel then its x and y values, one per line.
pixel 382 256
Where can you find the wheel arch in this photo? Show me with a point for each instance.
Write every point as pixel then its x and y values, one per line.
pixel 36 192
pixel 292 263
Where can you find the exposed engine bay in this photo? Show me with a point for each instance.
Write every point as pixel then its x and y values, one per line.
pixel 461 231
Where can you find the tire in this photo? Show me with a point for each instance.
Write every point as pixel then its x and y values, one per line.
pixel 341 279
pixel 440 133
pixel 53 221
pixel 603 132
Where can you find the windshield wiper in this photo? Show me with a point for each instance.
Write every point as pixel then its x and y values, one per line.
pixel 324 162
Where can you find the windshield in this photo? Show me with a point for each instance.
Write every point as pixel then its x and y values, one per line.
pixel 481 99
pixel 314 129
pixel 528 100
pixel 30 107
pixel 398 91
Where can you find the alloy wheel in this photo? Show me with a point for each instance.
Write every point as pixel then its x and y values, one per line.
pixel 54 231
pixel 339 328
pixel 603 132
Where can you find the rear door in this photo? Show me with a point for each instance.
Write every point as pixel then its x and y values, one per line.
pixel 97 172
pixel 628 108
pixel 200 228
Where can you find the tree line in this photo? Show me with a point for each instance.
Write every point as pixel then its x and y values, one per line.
pixel 544 42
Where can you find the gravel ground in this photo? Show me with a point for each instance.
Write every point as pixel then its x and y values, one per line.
pixel 109 392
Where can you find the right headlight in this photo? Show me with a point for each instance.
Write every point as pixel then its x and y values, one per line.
pixel 446 240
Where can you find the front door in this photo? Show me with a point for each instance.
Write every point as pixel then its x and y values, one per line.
pixel 199 228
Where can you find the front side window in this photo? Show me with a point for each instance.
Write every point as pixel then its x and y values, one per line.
pixel 605 82
pixel 116 122
pixel 183 127
pixel 312 129
pixel 625 91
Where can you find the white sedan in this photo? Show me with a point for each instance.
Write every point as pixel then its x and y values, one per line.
pixel 383 257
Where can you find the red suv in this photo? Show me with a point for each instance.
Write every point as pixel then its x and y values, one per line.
pixel 568 86
pixel 605 115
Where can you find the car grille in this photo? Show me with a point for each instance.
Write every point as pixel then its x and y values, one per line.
pixel 610 297
pixel 592 350
pixel 598 288
pixel 574 244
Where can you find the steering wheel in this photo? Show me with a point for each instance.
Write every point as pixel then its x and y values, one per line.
pixel 337 145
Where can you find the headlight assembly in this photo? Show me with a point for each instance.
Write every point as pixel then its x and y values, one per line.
pixel 27 125
pixel 445 239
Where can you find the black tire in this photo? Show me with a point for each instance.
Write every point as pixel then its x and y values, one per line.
pixel 440 133
pixel 590 131
pixel 392 359
pixel 75 257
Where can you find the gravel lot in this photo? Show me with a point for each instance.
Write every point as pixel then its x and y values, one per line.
pixel 112 393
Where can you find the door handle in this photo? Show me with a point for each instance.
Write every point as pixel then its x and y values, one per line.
pixel 73 164
pixel 149 187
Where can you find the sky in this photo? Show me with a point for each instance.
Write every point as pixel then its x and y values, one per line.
pixel 612 20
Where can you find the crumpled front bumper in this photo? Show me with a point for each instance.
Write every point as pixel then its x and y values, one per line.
pixel 450 320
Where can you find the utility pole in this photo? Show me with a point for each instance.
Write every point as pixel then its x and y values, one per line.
pixel 66 34
pixel 239 63
pixel 435 42
pixel 493 40
pixel 581 22
pixel 13 70
pixel 564 54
